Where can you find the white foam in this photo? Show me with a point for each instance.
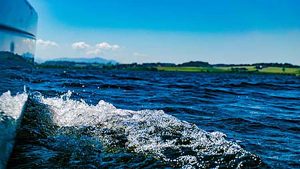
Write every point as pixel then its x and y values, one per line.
pixel 11 108
pixel 12 105
pixel 150 132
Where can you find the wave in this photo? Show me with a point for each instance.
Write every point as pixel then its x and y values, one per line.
pixel 127 78
pixel 149 132
pixel 11 108
pixel 256 85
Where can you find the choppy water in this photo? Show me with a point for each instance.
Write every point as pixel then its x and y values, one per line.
pixel 119 119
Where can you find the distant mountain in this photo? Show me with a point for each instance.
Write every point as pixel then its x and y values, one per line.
pixel 86 60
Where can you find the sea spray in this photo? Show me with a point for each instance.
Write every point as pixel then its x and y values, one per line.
pixel 149 132
pixel 42 143
pixel 11 108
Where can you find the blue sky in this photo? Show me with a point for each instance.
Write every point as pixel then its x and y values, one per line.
pixel 217 31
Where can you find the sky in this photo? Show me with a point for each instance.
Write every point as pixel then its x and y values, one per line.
pixel 176 31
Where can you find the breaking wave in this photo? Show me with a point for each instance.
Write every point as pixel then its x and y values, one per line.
pixel 148 132
pixel 11 108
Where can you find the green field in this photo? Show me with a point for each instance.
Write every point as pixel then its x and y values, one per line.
pixel 280 71
pixel 248 69
pixel 190 69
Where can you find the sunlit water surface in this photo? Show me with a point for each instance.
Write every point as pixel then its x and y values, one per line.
pixel 121 119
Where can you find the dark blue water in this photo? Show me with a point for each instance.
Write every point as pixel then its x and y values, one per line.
pixel 261 113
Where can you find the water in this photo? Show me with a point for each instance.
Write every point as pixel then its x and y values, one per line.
pixel 124 119
pixel 14 71
pixel 10 111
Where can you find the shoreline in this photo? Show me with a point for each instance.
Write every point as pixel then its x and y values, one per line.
pixel 193 66
pixel 178 69
pixel 239 70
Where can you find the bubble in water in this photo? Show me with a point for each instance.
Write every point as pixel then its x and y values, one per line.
pixel 150 132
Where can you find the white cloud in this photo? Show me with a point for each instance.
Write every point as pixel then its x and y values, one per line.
pixel 46 43
pixel 30 43
pixel 80 45
pixel 94 49
pixel 94 52
pixel 107 46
